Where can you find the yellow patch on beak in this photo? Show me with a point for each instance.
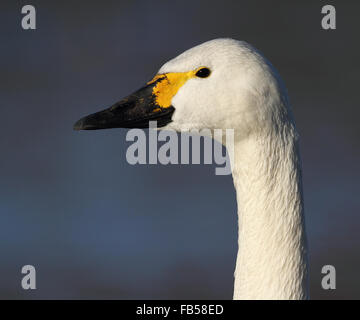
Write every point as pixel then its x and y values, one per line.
pixel 168 85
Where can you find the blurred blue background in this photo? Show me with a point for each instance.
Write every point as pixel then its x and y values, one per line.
pixel 95 226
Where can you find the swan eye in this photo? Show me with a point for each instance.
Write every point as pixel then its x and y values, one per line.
pixel 203 73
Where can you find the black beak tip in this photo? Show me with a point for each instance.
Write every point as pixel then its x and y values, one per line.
pixel 89 123
pixel 79 125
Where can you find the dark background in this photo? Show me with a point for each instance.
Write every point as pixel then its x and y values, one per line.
pixel 95 226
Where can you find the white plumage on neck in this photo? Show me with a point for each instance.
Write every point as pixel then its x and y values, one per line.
pixel 271 261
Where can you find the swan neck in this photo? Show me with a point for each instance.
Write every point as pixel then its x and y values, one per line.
pixel 271 261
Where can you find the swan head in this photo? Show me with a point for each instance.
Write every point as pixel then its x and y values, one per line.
pixel 220 84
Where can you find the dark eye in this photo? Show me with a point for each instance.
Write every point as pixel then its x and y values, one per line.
pixel 203 73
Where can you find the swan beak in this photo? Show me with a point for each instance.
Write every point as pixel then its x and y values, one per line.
pixel 134 111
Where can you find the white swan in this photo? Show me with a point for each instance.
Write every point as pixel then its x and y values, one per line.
pixel 226 83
